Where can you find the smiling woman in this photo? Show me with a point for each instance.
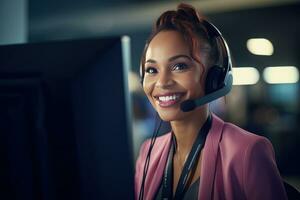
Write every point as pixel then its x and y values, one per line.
pixel 202 157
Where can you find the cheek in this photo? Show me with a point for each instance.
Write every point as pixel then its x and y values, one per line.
pixel 200 79
pixel 194 83
pixel 195 88
pixel 148 89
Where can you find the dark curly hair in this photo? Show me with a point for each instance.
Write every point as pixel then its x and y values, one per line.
pixel 187 21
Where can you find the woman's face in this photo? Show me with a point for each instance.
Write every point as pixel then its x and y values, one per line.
pixel 171 75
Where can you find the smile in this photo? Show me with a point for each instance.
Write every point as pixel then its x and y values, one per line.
pixel 168 100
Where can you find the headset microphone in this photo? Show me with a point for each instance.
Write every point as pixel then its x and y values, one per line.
pixel 190 105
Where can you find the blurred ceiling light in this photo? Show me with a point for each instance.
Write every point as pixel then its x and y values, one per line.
pixel 245 75
pixel 281 74
pixel 260 46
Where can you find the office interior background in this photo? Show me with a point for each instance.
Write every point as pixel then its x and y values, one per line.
pixel 263 36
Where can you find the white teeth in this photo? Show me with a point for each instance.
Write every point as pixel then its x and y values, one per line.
pixel 168 98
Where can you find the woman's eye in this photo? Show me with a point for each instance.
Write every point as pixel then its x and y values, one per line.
pixel 151 70
pixel 180 66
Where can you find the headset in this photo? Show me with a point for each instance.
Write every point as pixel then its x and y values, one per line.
pixel 218 83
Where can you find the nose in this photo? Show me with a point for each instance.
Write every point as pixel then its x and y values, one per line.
pixel 164 80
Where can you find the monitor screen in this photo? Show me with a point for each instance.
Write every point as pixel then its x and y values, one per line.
pixel 65 127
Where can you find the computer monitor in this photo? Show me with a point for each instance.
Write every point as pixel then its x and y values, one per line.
pixel 65 128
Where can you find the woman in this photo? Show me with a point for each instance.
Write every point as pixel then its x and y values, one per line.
pixel 202 157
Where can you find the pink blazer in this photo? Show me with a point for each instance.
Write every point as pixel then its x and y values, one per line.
pixel 235 164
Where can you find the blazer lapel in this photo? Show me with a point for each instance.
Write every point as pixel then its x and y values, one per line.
pixel 209 158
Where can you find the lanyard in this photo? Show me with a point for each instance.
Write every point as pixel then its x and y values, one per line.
pixel 167 191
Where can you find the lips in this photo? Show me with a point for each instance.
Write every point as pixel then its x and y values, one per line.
pixel 168 100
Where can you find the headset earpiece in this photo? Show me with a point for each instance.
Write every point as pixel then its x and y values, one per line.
pixel 217 75
pixel 214 79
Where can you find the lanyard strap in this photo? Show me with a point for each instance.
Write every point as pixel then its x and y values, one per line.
pixel 167 192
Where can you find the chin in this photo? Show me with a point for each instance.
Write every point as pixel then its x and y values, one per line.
pixel 178 115
pixel 169 116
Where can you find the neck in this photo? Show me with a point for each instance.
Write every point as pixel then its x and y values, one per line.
pixel 187 130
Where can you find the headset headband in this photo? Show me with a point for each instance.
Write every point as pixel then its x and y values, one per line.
pixel 213 31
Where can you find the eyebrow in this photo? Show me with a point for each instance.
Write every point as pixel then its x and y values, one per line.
pixel 170 59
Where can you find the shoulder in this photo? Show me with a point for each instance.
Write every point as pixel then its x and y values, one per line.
pixel 238 138
pixel 247 148
pixel 159 148
pixel 242 148
pixel 252 158
pixel 159 145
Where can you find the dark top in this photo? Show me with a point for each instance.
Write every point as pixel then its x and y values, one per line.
pixel 191 193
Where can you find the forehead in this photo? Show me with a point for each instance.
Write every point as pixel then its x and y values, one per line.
pixel 167 44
